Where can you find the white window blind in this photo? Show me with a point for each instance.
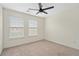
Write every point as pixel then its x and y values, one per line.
pixel 33 23
pixel 16 21
pixel 16 27
pixel 32 28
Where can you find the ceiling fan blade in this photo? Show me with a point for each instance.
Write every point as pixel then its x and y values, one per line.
pixel 40 5
pixel 33 9
pixel 48 8
pixel 45 12
pixel 37 13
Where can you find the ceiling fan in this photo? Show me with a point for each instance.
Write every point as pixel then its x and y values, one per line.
pixel 41 10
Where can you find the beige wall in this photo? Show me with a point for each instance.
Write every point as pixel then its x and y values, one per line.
pixel 13 42
pixel 63 27
pixel 1 30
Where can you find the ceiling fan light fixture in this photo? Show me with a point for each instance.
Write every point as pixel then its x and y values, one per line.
pixel 41 10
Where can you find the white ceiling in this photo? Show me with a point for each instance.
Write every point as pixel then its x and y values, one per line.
pixel 23 7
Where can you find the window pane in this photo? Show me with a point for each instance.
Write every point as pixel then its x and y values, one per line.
pixel 15 27
pixel 32 23
pixel 16 21
pixel 33 32
pixel 16 32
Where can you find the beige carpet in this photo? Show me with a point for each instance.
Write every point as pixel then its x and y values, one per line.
pixel 40 48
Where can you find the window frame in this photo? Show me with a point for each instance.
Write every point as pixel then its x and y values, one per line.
pixel 30 27
pixel 16 28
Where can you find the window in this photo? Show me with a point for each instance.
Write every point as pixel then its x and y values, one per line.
pixel 16 27
pixel 32 27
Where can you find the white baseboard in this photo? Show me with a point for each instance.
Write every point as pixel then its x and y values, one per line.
pixel 64 44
